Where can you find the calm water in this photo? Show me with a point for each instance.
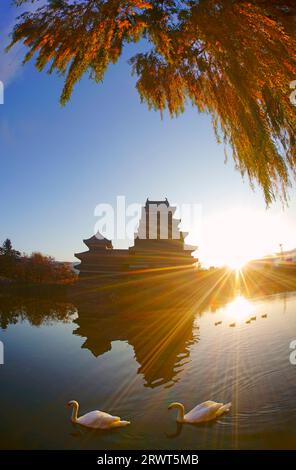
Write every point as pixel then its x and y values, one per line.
pixel 134 364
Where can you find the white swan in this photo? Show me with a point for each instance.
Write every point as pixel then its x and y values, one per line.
pixel 96 419
pixel 201 413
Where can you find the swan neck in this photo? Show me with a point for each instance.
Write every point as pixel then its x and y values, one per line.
pixel 75 412
pixel 181 412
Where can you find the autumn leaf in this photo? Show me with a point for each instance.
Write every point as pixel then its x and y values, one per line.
pixel 232 60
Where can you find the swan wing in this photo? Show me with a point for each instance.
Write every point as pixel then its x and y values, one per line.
pixel 203 412
pixel 98 419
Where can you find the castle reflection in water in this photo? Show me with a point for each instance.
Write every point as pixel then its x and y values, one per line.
pixel 160 335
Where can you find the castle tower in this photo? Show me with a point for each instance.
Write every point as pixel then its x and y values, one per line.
pixel 101 259
pixel 159 243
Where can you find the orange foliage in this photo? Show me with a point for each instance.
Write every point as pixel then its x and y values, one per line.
pixel 233 60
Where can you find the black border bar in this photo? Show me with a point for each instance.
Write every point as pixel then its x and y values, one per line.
pixel 144 458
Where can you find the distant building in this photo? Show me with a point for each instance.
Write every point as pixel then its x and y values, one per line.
pixel 283 258
pixel 158 244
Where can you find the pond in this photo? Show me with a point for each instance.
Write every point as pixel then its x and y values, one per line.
pixel 134 363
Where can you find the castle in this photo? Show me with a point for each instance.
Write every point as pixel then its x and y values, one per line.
pixel 158 244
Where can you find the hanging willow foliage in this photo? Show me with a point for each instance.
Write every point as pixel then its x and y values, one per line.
pixel 231 59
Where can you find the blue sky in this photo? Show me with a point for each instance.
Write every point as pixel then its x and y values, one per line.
pixel 58 163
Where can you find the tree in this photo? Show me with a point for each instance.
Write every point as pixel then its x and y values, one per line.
pixel 41 269
pixel 7 250
pixel 6 247
pixel 36 268
pixel 8 258
pixel 231 59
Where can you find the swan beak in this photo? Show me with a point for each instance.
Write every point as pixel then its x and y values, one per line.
pixel 170 407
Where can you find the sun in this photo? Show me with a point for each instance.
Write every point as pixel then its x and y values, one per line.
pixel 236 236
pixel 238 310
pixel 237 263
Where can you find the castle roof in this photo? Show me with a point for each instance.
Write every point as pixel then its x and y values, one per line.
pixel 157 203
pixel 98 241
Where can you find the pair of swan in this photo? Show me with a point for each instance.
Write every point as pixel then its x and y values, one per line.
pixel 202 413
pixel 255 318
pixel 220 323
